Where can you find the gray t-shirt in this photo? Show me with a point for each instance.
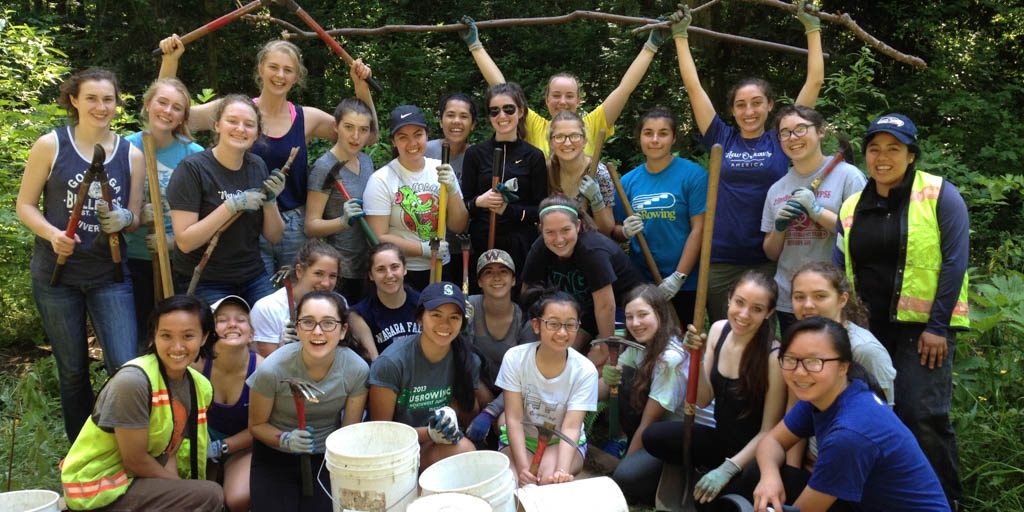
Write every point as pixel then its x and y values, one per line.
pixel 351 243
pixel 125 401
pixel 346 378
pixel 422 386
pixel 872 355
pixel 490 349
pixel 434 151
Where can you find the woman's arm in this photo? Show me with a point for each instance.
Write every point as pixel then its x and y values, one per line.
pixel 815 71
pixel 273 223
pixel 132 444
pixel 172 49
pixel 691 249
pixel 653 411
pixel 605 221
pixel 382 408
pixel 316 224
pixel 517 438
pixel 457 215
pixel 354 408
pixel 260 406
pixel 138 179
pixel 190 233
pixel 360 73
pixel 771 453
pixel 381 225
pixel 795 454
pixel 563 469
pixel 486 64
pixel 705 392
pixel 364 336
pixel 37 171
pixel 604 311
pixel 774 242
pixel 319 124
pixel 700 102
pixel 616 101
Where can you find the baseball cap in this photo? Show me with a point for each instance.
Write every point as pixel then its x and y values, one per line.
pixel 437 294
pixel 404 115
pixel 230 299
pixel 495 256
pixel 897 125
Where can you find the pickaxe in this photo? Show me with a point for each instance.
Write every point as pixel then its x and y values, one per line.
pixel 544 433
pixel 332 179
pixel 302 392
pixel 615 346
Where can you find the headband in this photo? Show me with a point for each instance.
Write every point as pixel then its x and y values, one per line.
pixel 552 207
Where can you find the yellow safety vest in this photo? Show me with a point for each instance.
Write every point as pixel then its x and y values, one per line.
pixel 919 270
pixel 93 474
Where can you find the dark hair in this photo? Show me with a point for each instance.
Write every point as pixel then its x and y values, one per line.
pixel 189 304
pixel 765 87
pixel 667 328
pixel 462 381
pixel 657 113
pixel 818 121
pixel 237 98
pixel 457 96
pixel 182 129
pixel 313 250
pixel 73 84
pixel 355 106
pixel 514 91
pixel 384 247
pixel 753 379
pixel 913 149
pixel 341 305
pixel 840 339
pixel 586 223
pixel 546 296
pixel 854 311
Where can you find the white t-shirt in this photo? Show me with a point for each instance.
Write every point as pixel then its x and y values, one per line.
pixel 669 381
pixel 269 315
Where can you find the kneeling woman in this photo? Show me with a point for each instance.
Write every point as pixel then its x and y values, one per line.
pixel 866 456
pixel 340 376
pixel 144 446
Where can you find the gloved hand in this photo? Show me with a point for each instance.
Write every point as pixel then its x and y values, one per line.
pixel 113 221
pixel 480 426
pixel 352 210
pixel 507 188
pixel 297 441
pixel 786 215
pixel 443 427
pixel 214 450
pixel 446 176
pixel 592 191
pixel 808 202
pixel 470 35
pixel 670 286
pixel 151 242
pixel 289 334
pixel 245 201
pixel 146 215
pixel 632 226
pixel 274 184
pixel 713 482
pixel 681 21
pixel 470 311
pixel 809 21
pixel 442 250
pixel 693 339
pixel 656 38
pixel 611 375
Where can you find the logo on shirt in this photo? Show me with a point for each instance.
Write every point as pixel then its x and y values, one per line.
pixel 655 206
pixel 417 211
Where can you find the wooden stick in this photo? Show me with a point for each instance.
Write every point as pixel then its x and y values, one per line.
pixel 496 171
pixel 159 233
pixel 651 264
pixel 113 239
pixel 668 24
pixel 595 159
pixel 218 23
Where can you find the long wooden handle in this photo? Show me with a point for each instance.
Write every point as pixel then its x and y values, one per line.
pixel 499 158
pixel 334 46
pixel 705 265
pixel 217 23
pixel 163 260
pixel 442 207
pixel 640 239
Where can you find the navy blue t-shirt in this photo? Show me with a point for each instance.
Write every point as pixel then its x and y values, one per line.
pixel 385 323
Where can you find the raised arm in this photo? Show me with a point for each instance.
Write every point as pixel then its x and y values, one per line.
pixel 815 59
pixel 616 101
pixel 200 117
pixel 700 102
pixel 483 61
pixel 360 73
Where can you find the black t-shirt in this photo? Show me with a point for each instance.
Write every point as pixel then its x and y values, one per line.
pixel 199 185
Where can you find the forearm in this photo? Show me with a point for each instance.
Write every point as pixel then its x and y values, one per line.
pixel 168 66
pixel 605 314
pixel 487 67
pixel 827 220
pixel 273 224
pixel 33 218
pixel 770 457
pixel 199 232
pixel 773 244
pixel 691 252
pixel 266 434
pixel 815 71
pixel 321 227
pixel 239 441
pixel 954 242
pixel 700 102
pixel 605 221
pixel 458 216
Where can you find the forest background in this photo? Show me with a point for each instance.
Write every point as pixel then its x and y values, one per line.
pixel 965 104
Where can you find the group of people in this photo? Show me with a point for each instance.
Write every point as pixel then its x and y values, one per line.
pixel 869 274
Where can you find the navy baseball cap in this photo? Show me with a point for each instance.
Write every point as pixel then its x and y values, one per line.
pixel 897 125
pixel 404 115
pixel 437 294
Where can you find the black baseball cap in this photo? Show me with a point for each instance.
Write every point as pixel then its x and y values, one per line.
pixel 437 294
pixel 404 115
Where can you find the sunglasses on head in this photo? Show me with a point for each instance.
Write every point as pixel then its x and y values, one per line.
pixel 509 109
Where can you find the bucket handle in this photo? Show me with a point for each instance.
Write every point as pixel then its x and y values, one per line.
pixel 331 495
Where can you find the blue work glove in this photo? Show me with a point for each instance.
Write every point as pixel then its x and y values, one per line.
pixel 786 215
pixel 470 35
pixel 707 488
pixel 214 450
pixel 806 199
pixel 443 427
pixel 352 211
pixel 809 21
pixel 681 21
pixel 245 201
pixel 297 441
pixel 274 184
pixel 657 37
pixel 507 190
pixel 480 426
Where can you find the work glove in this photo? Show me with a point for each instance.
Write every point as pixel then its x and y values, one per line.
pixel 274 184
pixel 632 226
pixel 694 340
pixel 681 21
pixel 289 334
pixel 446 176
pixel 507 188
pixel 245 201
pixel 656 38
pixel 809 21
pixel 480 426
pixel 808 202
pixel 470 35
pixel 611 375
pixel 707 488
pixel 442 250
pixel 215 450
pixel 113 221
pixel 592 191
pixel 352 211
pixel 786 215
pixel 670 286
pixel 297 441
pixel 146 215
pixel 151 242
pixel 443 427
pixel 470 311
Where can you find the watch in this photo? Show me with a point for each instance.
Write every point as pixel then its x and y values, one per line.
pixel 223 448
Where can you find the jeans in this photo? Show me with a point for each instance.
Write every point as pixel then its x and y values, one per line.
pixel 211 291
pixel 283 253
pixel 63 310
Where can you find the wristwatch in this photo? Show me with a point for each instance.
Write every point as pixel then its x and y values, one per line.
pixel 223 448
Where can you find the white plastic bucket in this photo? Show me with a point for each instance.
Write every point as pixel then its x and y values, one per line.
pixel 449 502
pixel 484 474
pixel 373 466
pixel 33 500
pixel 601 493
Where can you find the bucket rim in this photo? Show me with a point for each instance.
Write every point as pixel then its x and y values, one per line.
pixel 454 459
pixel 405 430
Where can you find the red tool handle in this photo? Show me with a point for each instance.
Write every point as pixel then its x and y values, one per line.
pixel 217 23
pixel 334 46
pixel 542 444
pixel 291 300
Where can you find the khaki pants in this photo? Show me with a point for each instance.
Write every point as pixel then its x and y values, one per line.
pixel 162 494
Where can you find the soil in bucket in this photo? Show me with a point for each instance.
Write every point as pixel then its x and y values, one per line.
pixel 449 502
pixel 601 493
pixel 373 466
pixel 484 474
pixel 33 500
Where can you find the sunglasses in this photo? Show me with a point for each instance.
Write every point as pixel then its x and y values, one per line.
pixel 507 109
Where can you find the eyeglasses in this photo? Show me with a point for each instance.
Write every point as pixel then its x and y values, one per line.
pixel 326 325
pixel 555 325
pixel 509 110
pixel 799 131
pixel 571 137
pixel 811 364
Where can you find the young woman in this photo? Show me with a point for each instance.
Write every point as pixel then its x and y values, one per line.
pixel 752 160
pixel 458 118
pixel 322 359
pixel 668 196
pixel 145 439
pixel 563 90
pixel 548 382
pixel 867 457
pixel 389 312
pixel 232 362
pixel 516 217
pixel 428 380
pixel 904 243
pixel 401 198
pixel 207 190
pixel 497 322
pixel 316 269
pixel 54 172
pixel 799 216
pixel 328 215
pixel 590 267
pixel 741 373
pixel 568 168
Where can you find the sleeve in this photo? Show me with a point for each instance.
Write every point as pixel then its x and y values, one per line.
pixel 264 379
pixel 697 191
pixel 377 195
pixel 717 132
pixel 125 401
pixel 876 360
pixel 474 367
pixel 386 373
pixel 604 181
pixel 855 182
pixel 360 371
pixel 668 382
pixel 845 461
pixel 594 121
pixel 471 165
pixel 317 175
pixel 954 236
pixel 536 128
pixel 596 265
pixel 584 390
pixel 266 325
pixel 509 375
pixel 184 191
pixel 799 420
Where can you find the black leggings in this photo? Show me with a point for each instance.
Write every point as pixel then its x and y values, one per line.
pixel 275 482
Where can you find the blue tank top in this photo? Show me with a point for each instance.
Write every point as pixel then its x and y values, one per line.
pixel 91 262
pixel 229 420
pixel 274 152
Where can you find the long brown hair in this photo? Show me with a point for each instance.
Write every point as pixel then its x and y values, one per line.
pixel 554 165
pixel 667 328
pixel 752 384
pixel 854 311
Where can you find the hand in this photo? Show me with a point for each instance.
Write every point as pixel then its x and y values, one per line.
pixel 470 35
pixel 681 21
pixel 592 191
pixel 274 184
pixel 443 427
pixel 113 221
pixel 172 47
pixel 297 441
pixel 352 210
pixel 611 375
pixel 632 226
pixel 786 215
pixel 670 286
pixel 62 245
pixel 289 334
pixel 491 200
pixel 214 450
pixel 480 426
pixel 557 477
pixel 359 72
pixel 656 38
pixel 708 487
pixel 805 198
pixel 446 176
pixel 933 349
pixel 809 21
pixel 508 190
pixel 524 477
pixel 694 340
pixel 245 201
pixel 769 493
pixel 151 242
pixel 146 215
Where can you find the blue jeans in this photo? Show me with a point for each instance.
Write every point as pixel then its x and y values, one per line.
pixel 211 291
pixel 283 253
pixel 63 310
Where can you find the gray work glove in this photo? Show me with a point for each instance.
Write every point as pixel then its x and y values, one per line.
pixel 670 286
pixel 681 21
pixel 274 184
pixel 297 441
pixel 592 191
pixel 352 211
pixel 470 35
pixel 245 201
pixel 113 221
pixel 808 20
pixel 786 215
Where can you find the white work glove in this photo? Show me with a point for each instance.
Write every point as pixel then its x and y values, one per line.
pixel 443 427
pixel 670 286
pixel 446 176
pixel 805 198
pixel 297 441
pixel 352 210
pixel 632 226
pixel 245 201
pixel 146 215
pixel 707 488
pixel 592 191
pixel 113 221
pixel 289 334
pixel 442 250
pixel 274 184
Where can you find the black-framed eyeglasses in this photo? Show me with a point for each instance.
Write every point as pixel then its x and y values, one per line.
pixel 326 325
pixel 509 110
pixel 811 364
pixel 798 131
pixel 571 137
pixel 555 325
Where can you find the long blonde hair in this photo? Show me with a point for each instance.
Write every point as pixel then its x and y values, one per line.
pixel 181 131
